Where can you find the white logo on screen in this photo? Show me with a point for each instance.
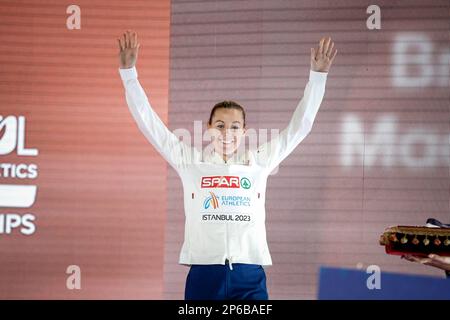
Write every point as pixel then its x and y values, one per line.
pixel 16 195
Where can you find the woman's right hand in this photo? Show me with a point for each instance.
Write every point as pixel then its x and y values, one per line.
pixel 128 49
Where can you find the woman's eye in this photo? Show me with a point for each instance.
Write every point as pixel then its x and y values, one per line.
pixel 235 128
pixel 220 126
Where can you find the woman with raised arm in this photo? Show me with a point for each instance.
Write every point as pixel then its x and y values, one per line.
pixel 224 189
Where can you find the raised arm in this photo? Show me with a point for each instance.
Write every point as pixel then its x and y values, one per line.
pixel 165 142
pixel 271 153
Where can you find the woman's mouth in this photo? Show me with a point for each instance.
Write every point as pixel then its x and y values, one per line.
pixel 226 142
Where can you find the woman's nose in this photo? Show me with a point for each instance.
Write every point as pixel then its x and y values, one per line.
pixel 227 134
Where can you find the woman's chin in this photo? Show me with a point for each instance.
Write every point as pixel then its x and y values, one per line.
pixel 228 151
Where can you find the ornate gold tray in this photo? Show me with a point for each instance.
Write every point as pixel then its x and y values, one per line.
pixel 416 240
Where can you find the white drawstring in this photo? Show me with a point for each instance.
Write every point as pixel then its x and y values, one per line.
pixel 230 264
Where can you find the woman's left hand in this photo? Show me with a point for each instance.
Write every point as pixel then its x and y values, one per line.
pixel 323 56
pixel 433 260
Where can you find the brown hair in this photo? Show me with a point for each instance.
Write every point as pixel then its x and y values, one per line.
pixel 227 104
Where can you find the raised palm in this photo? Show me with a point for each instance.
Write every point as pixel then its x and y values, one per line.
pixel 128 49
pixel 323 56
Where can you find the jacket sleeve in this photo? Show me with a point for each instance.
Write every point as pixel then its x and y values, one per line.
pixel 176 152
pixel 271 153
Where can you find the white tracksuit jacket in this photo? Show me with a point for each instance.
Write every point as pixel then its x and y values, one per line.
pixel 224 201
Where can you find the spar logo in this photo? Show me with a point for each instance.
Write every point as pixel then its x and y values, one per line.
pixel 211 201
pixel 225 182
pixel 12 138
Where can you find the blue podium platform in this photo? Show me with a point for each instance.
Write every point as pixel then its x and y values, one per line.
pixel 351 284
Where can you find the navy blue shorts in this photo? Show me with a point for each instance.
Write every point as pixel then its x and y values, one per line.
pixel 218 282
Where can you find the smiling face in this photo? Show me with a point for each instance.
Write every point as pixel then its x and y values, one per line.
pixel 227 127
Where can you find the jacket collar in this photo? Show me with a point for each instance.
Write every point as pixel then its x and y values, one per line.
pixel 238 157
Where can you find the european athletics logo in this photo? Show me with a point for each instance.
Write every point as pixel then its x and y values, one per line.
pixel 211 201
pixel 214 201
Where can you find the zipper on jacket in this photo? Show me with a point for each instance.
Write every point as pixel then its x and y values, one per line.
pixel 228 248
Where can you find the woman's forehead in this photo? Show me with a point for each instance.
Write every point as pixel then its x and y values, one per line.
pixel 227 115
